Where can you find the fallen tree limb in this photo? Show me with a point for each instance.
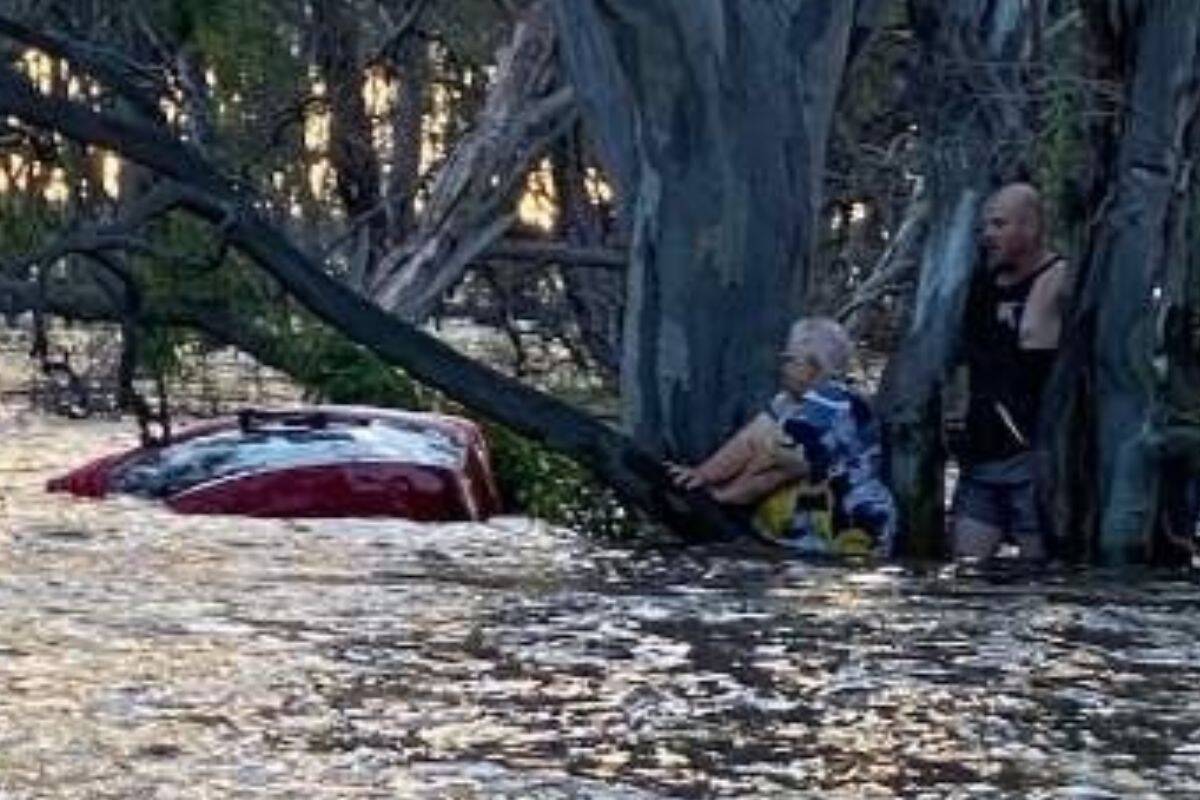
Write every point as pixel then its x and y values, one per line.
pixel 635 474
pixel 898 263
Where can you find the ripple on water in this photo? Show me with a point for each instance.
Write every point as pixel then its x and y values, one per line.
pixel 146 654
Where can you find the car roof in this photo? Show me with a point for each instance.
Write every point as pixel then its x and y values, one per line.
pixel 278 441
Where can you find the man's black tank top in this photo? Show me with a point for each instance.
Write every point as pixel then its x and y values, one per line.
pixel 1006 381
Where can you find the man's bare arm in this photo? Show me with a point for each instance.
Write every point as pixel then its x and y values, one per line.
pixel 1041 327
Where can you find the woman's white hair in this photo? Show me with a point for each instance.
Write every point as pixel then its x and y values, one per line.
pixel 823 340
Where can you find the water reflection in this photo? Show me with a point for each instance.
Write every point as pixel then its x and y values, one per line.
pixel 148 655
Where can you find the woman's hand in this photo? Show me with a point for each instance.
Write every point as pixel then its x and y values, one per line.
pixel 685 477
pixel 787 454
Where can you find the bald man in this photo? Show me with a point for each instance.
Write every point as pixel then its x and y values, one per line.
pixel 1011 332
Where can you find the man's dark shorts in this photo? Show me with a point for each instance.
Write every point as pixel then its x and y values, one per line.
pixel 1000 494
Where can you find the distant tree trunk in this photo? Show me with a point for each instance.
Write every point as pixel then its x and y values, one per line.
pixel 732 102
pixel 976 133
pixel 596 296
pixel 358 174
pixel 1131 347
pixel 408 114
pixel 603 92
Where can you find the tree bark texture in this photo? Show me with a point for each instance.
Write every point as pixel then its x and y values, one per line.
pixel 408 114
pixel 975 134
pixel 1138 297
pixel 603 92
pixel 731 111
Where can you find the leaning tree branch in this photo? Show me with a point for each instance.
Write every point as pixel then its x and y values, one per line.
pixel 467 218
pixel 634 473
pixel 117 235
pixel 527 108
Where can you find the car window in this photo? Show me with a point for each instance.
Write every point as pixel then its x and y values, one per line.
pixel 174 468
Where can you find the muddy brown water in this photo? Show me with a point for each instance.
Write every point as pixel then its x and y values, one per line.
pixel 149 655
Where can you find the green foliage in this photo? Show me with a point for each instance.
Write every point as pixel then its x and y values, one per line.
pixel 335 370
pixel 189 245
pixel 244 41
pixel 25 223
pixel 1067 105
pixel 1062 149
pixel 544 484
pixel 160 350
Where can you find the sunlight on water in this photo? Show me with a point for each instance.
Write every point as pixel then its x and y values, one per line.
pixel 144 654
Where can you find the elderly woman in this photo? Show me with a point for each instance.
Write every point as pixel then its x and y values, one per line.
pixel 809 464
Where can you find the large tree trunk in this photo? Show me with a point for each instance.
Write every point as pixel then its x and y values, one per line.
pixel 732 105
pixel 975 133
pixel 1138 290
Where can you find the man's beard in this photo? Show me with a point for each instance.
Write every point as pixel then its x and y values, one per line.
pixel 999 264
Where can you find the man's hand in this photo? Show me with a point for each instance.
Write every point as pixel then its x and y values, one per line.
pixel 954 433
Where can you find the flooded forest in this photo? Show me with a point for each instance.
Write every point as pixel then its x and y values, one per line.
pixel 567 250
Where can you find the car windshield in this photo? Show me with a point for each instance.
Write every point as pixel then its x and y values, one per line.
pixel 174 468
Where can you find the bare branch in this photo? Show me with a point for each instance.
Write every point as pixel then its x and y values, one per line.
pixel 527 110
pixel 95 241
pixel 898 263
pixel 396 36
pixel 557 253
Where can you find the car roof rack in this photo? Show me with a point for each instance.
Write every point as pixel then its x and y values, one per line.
pixel 257 419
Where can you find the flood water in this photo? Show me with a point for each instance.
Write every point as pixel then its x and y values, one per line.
pixel 146 655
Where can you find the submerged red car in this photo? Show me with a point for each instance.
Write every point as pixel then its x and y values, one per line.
pixel 325 461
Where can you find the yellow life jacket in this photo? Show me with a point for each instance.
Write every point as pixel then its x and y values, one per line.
pixel 774 518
